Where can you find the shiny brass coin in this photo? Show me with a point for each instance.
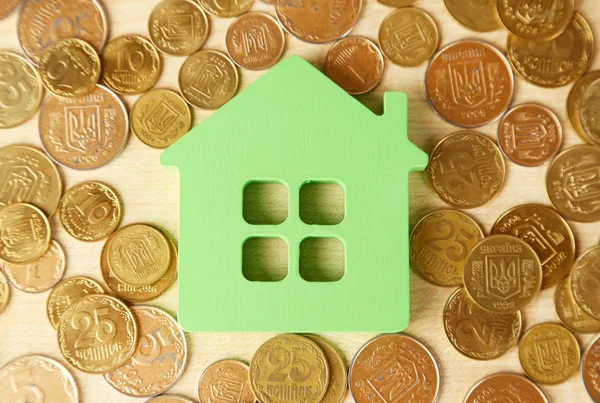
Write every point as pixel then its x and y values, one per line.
pixel 26 233
pixel 589 369
pixel 106 124
pixel 556 62
pixel 505 388
pixel 466 169
pixel 338 376
pixel 503 274
pixel 8 6
pixel 197 73
pixel 589 111
pixel 225 8
pixel 90 211
pixel 397 3
pixel 65 293
pixel 569 312
pixel 234 372
pixel 547 233
pixel 585 282
pixel 408 37
pixel 574 104
pixel 439 245
pixel 130 65
pixel 20 90
pixel 536 21
pixel 549 353
pixel 289 368
pixel 37 377
pixel 469 83
pixel 476 15
pixel 4 292
pixel 169 399
pixel 178 27
pixel 97 333
pixel 378 370
pixel 355 63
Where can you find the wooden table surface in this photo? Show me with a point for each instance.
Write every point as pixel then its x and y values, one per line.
pixel 150 194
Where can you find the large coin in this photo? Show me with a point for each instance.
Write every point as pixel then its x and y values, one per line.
pixel 4 292
pixel 20 90
pixel 212 382
pixel 588 112
pixel 29 231
pixel 225 8
pixel 8 6
pixel 569 312
pixel 589 369
pixel 65 293
pixel 338 376
pixel 574 104
pixel 537 21
pixel 505 388
pixel 585 282
pixel 476 15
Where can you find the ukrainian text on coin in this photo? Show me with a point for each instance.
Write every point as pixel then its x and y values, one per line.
pixel 20 90
pixel 569 312
pixel 574 104
pixel 338 377
pixel 585 282
pixel 589 369
pixel 225 8
pixel 505 388
pixel 476 15
pixel 65 293
pixel 29 231
pixel 536 21
pixel 4 292
pixel 178 27
pixel 212 378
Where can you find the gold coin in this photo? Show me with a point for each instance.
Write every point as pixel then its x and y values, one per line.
pixel 476 15
pixel 574 104
pixel 39 378
pixel 397 3
pixel 90 211
pixel 196 74
pixel 466 169
pixel 97 333
pixel 589 369
pixel 536 21
pixel 70 68
pixel 130 65
pixel 585 282
pixel 408 37
pixel 159 358
pixel 289 368
pixel 556 62
pixel 503 274
pixel 8 6
pixel 178 27
pixel 4 292
pixel 338 376
pixel 547 233
pixel 65 293
pixel 588 111
pixel 505 388
pixel 212 385
pixel 160 117
pixel 169 399
pixel 549 353
pixel 26 233
pixel 225 8
pixel 569 312
pixel 20 90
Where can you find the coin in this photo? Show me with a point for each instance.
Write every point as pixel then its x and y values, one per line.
pixel 41 23
pixel 355 64
pixel 37 377
pixel 4 292
pixel 255 41
pixel 225 8
pixel 589 369
pixel 26 233
pixel 408 37
pixel 338 377
pixel 503 274
pixel 569 312
pixel 20 90
pixel 29 176
pixel 319 21
pixel 574 104
pixel 41 274
pixel 380 368
pixel 549 353
pixel 90 211
pixel 530 134
pixel 547 233
pixel 8 6
pixel 505 388
pixel 476 15
pixel 466 169
pixel 65 293
pixel 212 385
pixel 588 112
pixel 556 62
pixel 172 38
pixel 449 83
pixel 70 68
pixel 85 132
pixel 130 65
pixel 585 282
pixel 536 21
pixel 97 333
pixel 397 3
pixel 195 75
pixel 169 399
pixel 289 368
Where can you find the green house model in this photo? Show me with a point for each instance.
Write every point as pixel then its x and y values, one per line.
pixel 294 126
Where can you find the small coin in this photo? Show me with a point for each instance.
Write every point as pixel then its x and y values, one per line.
pixel 574 104
pixel 4 292
pixel 338 376
pixel 292 366
pixel 466 169
pixel 476 15
pixel 505 388
pixel 536 21
pixel 588 112
pixel 408 37
pixel 585 282
pixel 211 381
pixel 225 8
pixel 37 377
pixel 20 90
pixel 85 132
pixel 569 312
pixel 169 399
pixel 26 233
pixel 549 353
pixel 355 63
pixel 589 369
pixel 8 6
pixel 449 83
pixel 65 293
pixel 377 370
pixel 397 3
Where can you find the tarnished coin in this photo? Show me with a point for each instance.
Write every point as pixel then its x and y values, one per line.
pixel 338 376
pixel 380 370
pixel 26 233
pixel 549 353
pixel 537 21
pixel 255 41
pixel 70 68
pixel 466 169
pixel 97 333
pixel 574 104
pixel 85 132
pixel 41 23
pixel 8 6
pixel 476 15
pixel 469 83
pixel 547 233
pixel 20 90
pixel 585 282
pixel 37 377
pixel 397 3
pixel 130 65
pixel 589 112
pixel 178 27
pixel 65 293
pixel 556 62
pixel 208 79
pixel 589 369
pixel 569 312
pixel 505 388
pixel 289 368
pixel 408 37
pixel 503 274
pixel 355 64
pixel 225 8
pixel 4 292
pixel 213 380
pixel 169 399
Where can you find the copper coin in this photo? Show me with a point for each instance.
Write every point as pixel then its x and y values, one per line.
pixel 585 282
pixel 538 20
pixel 590 369
pixel 225 8
pixel 4 292
pixel 338 375
pixel 505 388
pixel 25 233
pixel 65 293
pixel 355 64
pixel 569 313
pixel 476 15
pixel 588 113
pixel 574 104
pixel 218 378
pixel 469 83
pixel 8 6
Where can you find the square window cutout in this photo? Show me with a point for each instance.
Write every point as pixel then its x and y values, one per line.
pixel 265 259
pixel 322 259
pixel 265 203
pixel 322 203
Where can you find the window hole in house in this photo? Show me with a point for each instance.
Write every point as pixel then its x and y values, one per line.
pixel 265 259
pixel 265 203
pixel 322 203
pixel 322 259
